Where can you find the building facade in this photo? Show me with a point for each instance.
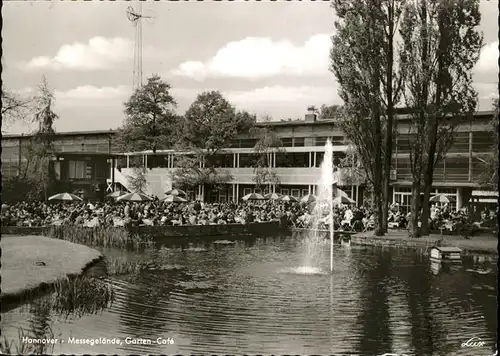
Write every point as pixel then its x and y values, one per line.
pixel 296 164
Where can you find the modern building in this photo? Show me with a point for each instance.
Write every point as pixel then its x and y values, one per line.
pixel 84 173
pixel 296 165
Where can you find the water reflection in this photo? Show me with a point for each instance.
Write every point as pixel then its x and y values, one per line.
pixel 376 337
pixel 244 297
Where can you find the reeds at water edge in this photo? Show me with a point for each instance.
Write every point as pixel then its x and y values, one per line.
pixel 102 236
pixel 70 298
pixel 82 295
pixel 20 347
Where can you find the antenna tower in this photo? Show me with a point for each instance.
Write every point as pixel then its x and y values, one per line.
pixel 136 18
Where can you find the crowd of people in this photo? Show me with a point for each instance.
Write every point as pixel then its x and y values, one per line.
pixel 157 213
pixel 153 213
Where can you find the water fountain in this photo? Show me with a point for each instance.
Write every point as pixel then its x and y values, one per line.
pixel 322 216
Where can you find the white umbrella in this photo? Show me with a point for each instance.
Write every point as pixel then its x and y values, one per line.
pixel 174 199
pixel 65 197
pixel 116 194
pixel 273 196
pixel 343 200
pixel 253 196
pixel 289 198
pixel 134 197
pixel 175 192
pixel 441 198
pixel 309 198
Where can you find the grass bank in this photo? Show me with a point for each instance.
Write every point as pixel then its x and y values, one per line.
pixel 33 263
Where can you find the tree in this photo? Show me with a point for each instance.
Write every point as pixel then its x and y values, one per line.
pixel 210 124
pixel 268 142
pixel 151 122
pixel 362 59
pixel 441 46
pixel 138 180
pixel 328 112
pixel 14 108
pixel 41 146
pixel 352 168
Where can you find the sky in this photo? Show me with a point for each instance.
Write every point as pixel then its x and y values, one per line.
pixel 270 58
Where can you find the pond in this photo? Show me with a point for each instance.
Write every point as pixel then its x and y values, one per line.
pixel 251 297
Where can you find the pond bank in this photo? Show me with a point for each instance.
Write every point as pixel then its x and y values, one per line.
pixel 33 263
pixel 394 238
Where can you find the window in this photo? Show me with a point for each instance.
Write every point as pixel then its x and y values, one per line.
pixel 247 160
pixel 247 143
pixel 338 140
pixel 77 169
pixel 296 193
pixel 460 142
pixel 483 141
pixel 219 161
pixel 258 190
pixel 320 141
pixel 404 142
pixel 305 192
pixel 57 170
pixel 101 170
pixel 282 160
pixel 319 158
pixel 299 159
pixel 299 142
pixel 284 191
pixel 247 191
pixel 287 142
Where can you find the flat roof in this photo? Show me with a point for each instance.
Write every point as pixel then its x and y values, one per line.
pixel 260 124
pixel 83 153
pixel 66 133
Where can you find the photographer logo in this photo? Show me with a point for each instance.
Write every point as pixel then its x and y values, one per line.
pixel 473 342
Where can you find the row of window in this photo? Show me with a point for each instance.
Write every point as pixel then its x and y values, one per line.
pixel 481 142
pixel 80 170
pixel 246 160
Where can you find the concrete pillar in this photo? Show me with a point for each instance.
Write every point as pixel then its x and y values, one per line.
pixel 234 160
pixel 470 156
pixel 113 165
pixel 145 159
pixel 314 159
pixel 128 161
pixel 20 155
pixel 237 192
pixel 237 160
pixel 459 199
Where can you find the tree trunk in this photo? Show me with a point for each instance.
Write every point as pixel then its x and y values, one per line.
pixel 433 127
pixel 390 115
pixel 415 209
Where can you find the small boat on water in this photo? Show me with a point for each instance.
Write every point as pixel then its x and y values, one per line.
pixel 446 254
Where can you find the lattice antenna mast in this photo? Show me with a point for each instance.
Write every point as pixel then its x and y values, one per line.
pixel 136 18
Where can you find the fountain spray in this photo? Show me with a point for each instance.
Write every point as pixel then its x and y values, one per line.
pixel 324 206
pixel 326 191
